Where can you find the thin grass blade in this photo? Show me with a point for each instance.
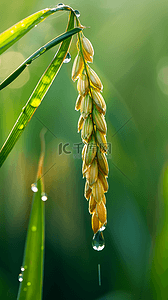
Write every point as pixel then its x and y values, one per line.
pixel 35 55
pixel 31 276
pixel 14 33
pixel 17 31
pixel 37 95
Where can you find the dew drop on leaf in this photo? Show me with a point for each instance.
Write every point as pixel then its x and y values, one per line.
pixel 77 13
pixel 67 58
pixel 98 242
pixel 20 277
pixel 34 187
pixel 44 197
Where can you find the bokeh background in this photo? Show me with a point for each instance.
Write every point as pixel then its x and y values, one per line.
pixel 130 39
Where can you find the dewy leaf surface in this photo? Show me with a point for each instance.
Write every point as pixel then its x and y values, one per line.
pixel 37 95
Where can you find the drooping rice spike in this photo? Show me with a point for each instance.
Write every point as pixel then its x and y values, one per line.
pixel 93 128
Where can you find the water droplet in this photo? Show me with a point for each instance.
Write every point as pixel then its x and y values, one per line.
pixel 59 4
pixel 77 13
pixel 25 267
pixel 67 58
pixel 44 197
pixel 25 289
pixel 35 25
pixel 102 228
pixel 34 228
pixel 28 283
pixel 34 187
pixel 42 50
pixel 20 277
pixel 98 242
pixel 22 269
pixel 35 102
pixel 20 127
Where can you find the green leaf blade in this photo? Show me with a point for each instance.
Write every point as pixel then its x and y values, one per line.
pixel 37 95
pixel 14 33
pixel 31 286
pixel 38 53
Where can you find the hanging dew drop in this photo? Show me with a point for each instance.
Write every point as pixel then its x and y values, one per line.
pixel 98 242
pixel 67 58
pixel 20 277
pixel 77 13
pixel 34 187
pixel 44 197
pixel 22 269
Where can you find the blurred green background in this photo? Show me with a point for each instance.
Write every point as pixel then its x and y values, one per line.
pixel 130 40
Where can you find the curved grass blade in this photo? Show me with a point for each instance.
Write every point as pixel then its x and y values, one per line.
pixel 31 278
pixel 14 33
pixel 37 95
pixel 36 54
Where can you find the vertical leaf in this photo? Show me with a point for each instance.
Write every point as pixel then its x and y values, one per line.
pixel 31 278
